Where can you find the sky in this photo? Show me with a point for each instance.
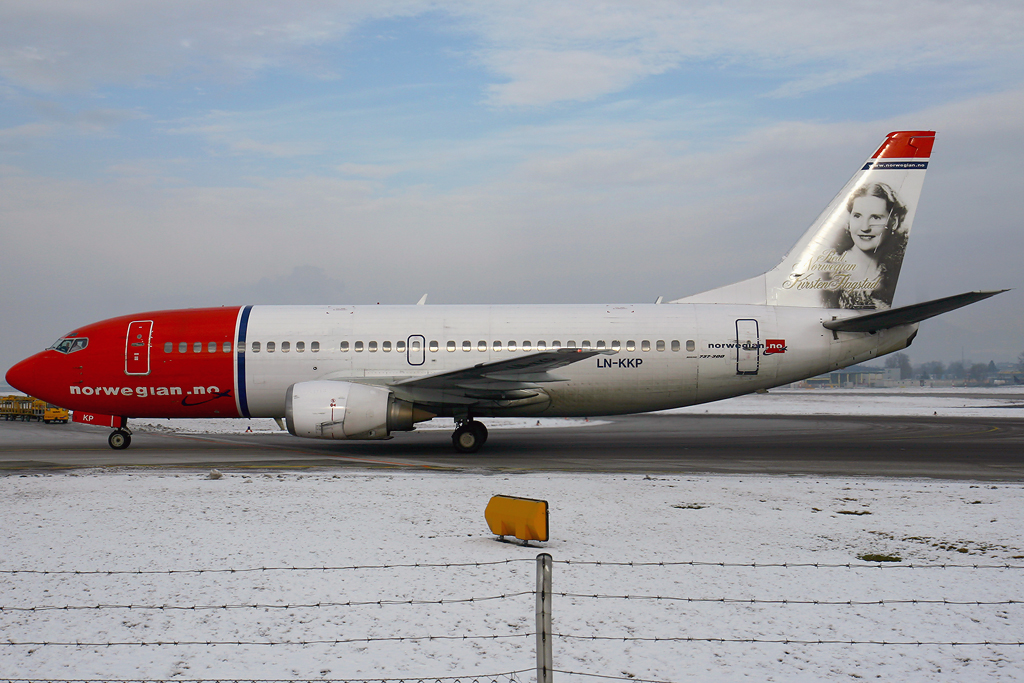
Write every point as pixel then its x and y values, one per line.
pixel 170 155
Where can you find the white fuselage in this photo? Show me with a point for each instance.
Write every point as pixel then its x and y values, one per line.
pixel 660 356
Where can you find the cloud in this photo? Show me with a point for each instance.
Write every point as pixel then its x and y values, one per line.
pixel 539 53
pixel 304 284
pixel 375 171
pixel 67 46
pixel 56 121
pixel 16 134
pixel 540 77
pixel 550 52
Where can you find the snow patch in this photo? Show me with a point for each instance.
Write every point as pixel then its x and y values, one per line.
pixel 168 520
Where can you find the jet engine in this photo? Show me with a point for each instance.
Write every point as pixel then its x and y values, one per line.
pixel 347 410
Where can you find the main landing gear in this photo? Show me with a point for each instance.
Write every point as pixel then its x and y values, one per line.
pixel 469 436
pixel 120 439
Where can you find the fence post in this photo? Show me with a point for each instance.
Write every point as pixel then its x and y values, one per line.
pixel 544 659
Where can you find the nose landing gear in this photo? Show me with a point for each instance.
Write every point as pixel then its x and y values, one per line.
pixel 120 439
pixel 469 436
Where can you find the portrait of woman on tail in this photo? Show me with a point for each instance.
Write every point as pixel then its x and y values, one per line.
pixel 871 248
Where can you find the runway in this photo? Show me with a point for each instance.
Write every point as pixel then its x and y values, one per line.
pixel 939 447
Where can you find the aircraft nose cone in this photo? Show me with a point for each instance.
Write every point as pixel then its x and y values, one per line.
pixel 24 376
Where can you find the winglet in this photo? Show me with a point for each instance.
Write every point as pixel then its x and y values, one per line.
pixel 422 301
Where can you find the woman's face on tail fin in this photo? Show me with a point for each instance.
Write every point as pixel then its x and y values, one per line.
pixel 868 218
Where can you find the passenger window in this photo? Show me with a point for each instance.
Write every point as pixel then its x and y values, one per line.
pixel 226 347
pixel 556 345
pixel 527 346
pixel 255 347
pixel 616 345
pixel 586 344
pixel 570 344
pixel 314 347
pixel 182 347
pixel 690 346
pixel 511 346
pixel 675 344
pixel 433 346
pixel 497 345
pixel 645 345
pixel 344 347
pixel 168 347
pixel 359 347
pixel 300 347
pixel 211 347
pixel 450 346
pixel 542 346
pixel 600 345
pixel 631 345
pixel 415 346
pixel 400 347
pixel 271 346
pixel 197 347
pixel 481 345
pixel 241 347
pixel 386 347
pixel 286 347
pixel 371 347
pixel 661 344
pixel 467 346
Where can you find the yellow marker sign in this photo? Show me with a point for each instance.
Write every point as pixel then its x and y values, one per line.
pixel 524 518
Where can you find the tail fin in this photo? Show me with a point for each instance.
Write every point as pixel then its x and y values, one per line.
pixel 852 254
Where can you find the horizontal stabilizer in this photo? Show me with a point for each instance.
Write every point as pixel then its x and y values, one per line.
pixel 906 315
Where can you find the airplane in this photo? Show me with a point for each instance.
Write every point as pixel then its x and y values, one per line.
pixel 364 372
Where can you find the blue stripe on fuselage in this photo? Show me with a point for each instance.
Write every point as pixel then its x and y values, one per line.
pixel 243 324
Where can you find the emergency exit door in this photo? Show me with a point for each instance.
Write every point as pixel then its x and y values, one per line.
pixel 748 347
pixel 136 347
pixel 417 351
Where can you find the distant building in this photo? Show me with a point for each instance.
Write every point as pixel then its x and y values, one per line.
pixel 848 378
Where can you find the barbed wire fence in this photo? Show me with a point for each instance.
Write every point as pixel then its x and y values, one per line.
pixel 544 635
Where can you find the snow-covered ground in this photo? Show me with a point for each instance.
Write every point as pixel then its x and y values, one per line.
pixel 915 402
pixel 182 520
pixel 945 402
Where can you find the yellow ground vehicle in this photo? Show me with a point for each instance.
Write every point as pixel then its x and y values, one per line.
pixel 30 409
pixel 55 414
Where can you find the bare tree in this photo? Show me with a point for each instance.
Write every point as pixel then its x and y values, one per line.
pixel 901 361
pixel 956 370
pixel 978 372
pixel 931 370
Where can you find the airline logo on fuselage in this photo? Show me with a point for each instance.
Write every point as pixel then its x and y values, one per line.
pixel 143 392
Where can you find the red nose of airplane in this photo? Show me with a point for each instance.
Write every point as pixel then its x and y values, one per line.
pixel 25 376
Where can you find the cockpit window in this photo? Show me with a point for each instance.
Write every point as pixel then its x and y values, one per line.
pixel 70 344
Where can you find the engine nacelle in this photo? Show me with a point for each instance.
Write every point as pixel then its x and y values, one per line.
pixel 347 410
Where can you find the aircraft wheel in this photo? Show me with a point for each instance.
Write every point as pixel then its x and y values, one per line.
pixel 466 439
pixel 119 440
pixel 480 430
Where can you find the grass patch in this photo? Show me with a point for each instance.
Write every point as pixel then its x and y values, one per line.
pixel 875 557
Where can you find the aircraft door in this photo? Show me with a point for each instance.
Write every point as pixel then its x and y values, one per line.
pixel 748 347
pixel 416 351
pixel 136 347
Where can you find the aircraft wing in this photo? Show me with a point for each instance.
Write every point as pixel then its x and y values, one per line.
pixel 514 378
pixel 904 315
